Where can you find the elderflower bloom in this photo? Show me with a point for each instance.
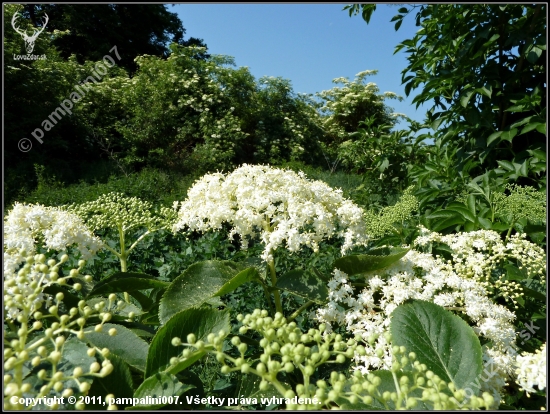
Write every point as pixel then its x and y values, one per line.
pixel 55 229
pixel 419 276
pixel 531 370
pixel 279 206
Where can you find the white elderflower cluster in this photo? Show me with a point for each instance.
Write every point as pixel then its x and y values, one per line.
pixel 531 370
pixel 24 227
pixel 479 255
pixel 276 205
pixel 423 277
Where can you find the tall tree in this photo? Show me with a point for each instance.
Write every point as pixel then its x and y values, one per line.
pixel 95 28
pixel 483 65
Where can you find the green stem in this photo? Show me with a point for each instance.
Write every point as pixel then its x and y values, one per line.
pixel 276 294
pixel 123 258
pixel 268 298
pixel 509 231
pixel 123 254
pixel 300 310
pixel 138 240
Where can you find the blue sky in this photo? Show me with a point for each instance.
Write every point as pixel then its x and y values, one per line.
pixel 309 44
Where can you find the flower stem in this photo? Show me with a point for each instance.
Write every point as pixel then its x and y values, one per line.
pixel 276 294
pixel 300 310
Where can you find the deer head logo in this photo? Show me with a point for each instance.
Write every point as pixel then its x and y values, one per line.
pixel 29 40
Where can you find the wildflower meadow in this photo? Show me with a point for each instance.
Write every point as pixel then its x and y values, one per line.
pixel 258 249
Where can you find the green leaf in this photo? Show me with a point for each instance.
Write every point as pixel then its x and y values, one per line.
pixel 125 344
pixel 249 387
pixel 471 201
pixel 493 136
pixel 542 128
pixel 509 135
pixel 534 294
pixel 355 264
pixel 441 214
pixel 464 212
pixel 489 42
pixel 513 273
pixel 443 341
pixel 507 165
pixel 541 155
pixel 529 127
pixel 200 282
pixel 247 275
pixel 69 300
pixel 485 223
pixel 451 221
pixel 466 98
pixel 484 90
pixel 304 284
pixel 398 25
pixel 199 322
pixel 534 54
pixel 126 282
pixel 158 385
pixel 119 382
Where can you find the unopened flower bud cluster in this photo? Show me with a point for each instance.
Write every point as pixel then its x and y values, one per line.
pixel 286 349
pixel 380 224
pixel 47 347
pixel 409 377
pixel 115 210
pixel 522 202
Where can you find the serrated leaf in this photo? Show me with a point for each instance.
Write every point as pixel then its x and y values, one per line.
pixel 126 282
pixel 199 322
pixel 119 382
pixel 125 344
pixel 247 275
pixel 155 386
pixel 70 300
pixel 249 387
pixel 355 264
pixel 304 284
pixel 200 282
pixel 443 341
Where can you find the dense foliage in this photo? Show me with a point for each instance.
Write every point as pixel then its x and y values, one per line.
pixel 330 262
